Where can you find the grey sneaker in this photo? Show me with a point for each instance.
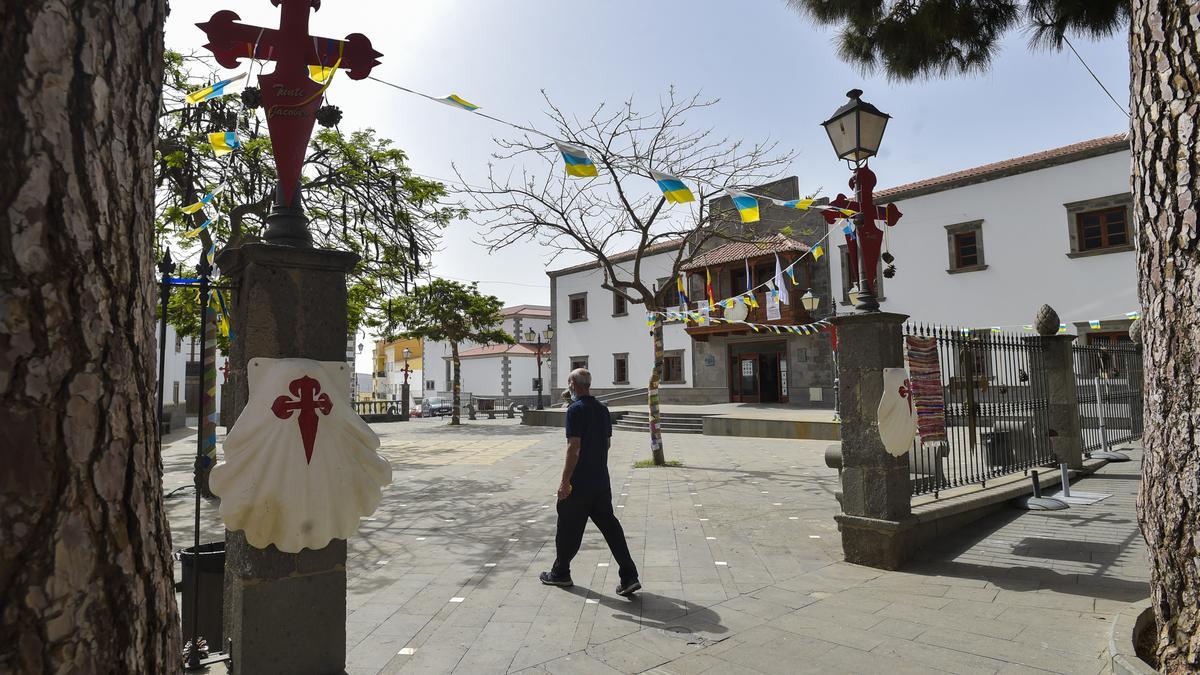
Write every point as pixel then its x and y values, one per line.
pixel 551 580
pixel 628 588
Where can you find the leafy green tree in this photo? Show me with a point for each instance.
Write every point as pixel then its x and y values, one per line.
pixel 915 38
pixel 359 193
pixel 448 311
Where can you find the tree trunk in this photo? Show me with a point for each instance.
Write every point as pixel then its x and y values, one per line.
pixel 85 564
pixel 457 388
pixel 656 439
pixel 1165 81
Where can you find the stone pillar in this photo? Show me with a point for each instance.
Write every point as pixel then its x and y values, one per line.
pixel 1062 416
pixel 876 487
pixel 284 612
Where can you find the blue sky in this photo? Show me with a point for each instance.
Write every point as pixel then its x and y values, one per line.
pixel 777 75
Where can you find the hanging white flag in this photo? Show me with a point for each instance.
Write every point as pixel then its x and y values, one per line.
pixel 779 283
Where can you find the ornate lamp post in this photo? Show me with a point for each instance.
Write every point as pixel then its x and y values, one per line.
pixel 407 353
pixel 856 131
pixel 533 336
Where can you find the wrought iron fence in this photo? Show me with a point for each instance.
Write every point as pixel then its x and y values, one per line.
pixel 1108 381
pixel 981 399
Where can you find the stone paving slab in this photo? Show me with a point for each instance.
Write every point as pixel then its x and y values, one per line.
pixel 740 558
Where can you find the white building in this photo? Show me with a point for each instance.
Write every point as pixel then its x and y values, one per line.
pixel 988 246
pixel 181 377
pixel 495 371
pixel 596 329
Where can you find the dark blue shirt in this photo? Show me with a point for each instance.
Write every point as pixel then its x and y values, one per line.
pixel 588 419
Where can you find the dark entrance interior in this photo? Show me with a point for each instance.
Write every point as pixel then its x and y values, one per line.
pixel 755 372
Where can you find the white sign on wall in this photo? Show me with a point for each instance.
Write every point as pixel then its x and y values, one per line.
pixel 300 466
pixel 773 311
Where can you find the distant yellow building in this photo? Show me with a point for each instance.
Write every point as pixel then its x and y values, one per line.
pixel 388 376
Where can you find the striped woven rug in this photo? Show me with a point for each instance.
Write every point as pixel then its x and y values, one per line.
pixel 925 374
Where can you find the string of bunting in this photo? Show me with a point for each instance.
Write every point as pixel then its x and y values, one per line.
pixel 578 163
pixel 776 286
pixel 1093 324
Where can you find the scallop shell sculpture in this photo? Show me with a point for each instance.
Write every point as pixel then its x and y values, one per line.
pixel 300 466
pixel 1135 331
pixel 1046 322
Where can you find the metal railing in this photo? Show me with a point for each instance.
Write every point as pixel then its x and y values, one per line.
pixel 1108 380
pixel 380 407
pixel 993 406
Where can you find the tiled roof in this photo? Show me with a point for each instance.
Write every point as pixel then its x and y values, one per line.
pixel 660 247
pixel 519 349
pixel 527 310
pixel 1038 160
pixel 740 250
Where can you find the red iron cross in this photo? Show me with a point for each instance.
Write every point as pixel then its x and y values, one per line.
pixel 289 97
pixel 308 401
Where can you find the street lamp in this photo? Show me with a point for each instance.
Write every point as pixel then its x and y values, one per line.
pixel 407 353
pixel 856 131
pixel 810 301
pixel 533 336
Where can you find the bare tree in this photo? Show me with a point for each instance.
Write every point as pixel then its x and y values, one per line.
pixel 621 208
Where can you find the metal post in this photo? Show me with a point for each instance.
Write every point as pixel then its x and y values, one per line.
pixel 539 365
pixel 1100 415
pixel 1066 480
pixel 166 267
pixel 204 269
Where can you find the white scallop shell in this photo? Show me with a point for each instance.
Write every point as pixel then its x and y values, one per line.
pixel 266 486
pixel 897 414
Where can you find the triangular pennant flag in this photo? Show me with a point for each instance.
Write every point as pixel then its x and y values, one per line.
pixel 747 206
pixel 579 163
pixel 192 208
pixel 224 142
pixel 672 188
pixel 213 91
pixel 456 101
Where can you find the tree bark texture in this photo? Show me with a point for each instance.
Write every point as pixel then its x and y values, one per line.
pixel 85 565
pixel 457 388
pixel 1165 84
pixel 656 439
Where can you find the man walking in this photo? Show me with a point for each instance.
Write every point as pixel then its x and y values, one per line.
pixel 585 491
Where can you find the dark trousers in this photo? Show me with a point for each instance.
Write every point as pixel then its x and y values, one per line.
pixel 573 513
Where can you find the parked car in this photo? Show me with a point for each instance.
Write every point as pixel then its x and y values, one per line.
pixel 436 407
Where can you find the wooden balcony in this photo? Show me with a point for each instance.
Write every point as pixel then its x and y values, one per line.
pixel 792 313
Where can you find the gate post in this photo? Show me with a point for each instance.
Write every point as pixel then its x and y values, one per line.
pixel 876 519
pixel 285 612
pixel 1062 410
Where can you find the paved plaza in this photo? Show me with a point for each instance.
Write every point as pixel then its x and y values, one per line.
pixel 740 561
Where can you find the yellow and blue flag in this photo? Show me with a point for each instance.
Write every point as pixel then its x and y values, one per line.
pixel 579 164
pixel 848 230
pixel 818 251
pixel 1133 315
pixel 683 298
pixel 192 208
pixel 801 204
pixel 672 188
pixel 198 230
pixel 747 206
pixel 321 74
pixel 212 91
pixel 1094 325
pixel 456 101
pixel 224 142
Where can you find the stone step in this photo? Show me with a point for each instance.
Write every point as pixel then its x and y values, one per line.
pixel 665 427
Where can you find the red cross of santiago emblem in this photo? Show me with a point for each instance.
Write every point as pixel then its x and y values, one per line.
pixel 906 394
pixel 308 401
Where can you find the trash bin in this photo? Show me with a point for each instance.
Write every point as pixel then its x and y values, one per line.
pixel 209 606
pixel 997 445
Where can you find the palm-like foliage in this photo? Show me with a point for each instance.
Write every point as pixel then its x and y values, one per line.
pixel 908 39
